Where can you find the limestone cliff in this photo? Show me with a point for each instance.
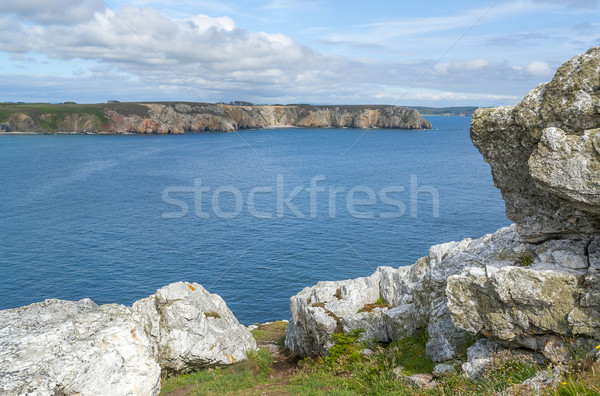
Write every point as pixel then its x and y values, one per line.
pixel 545 152
pixel 177 118
pixel 534 285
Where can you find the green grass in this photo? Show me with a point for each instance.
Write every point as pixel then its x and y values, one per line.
pixel 410 353
pixel 347 372
pixel 237 377
pixel 272 332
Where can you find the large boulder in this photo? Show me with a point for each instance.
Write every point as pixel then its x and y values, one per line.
pixel 75 347
pixel 189 328
pixel 545 152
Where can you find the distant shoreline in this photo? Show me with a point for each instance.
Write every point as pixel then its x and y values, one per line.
pixel 190 117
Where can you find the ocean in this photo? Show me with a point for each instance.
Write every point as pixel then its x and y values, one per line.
pixel 253 216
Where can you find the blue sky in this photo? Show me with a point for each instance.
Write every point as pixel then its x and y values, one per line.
pixel 429 53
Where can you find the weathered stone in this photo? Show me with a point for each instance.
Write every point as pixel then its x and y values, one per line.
pixel 68 347
pixel 417 381
pixel 541 384
pixel 568 166
pixel 512 303
pixel 525 285
pixel 442 369
pixel 542 158
pixel 415 293
pixel 557 350
pixel 190 328
pixel 479 355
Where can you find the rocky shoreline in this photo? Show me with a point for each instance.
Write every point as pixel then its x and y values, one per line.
pixel 186 117
pixel 532 288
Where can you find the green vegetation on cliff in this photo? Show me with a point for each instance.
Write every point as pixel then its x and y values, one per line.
pixel 50 117
pixel 357 367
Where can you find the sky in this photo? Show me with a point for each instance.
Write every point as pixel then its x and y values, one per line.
pixel 408 53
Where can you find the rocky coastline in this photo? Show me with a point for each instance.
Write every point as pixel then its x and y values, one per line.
pixel 532 288
pixel 186 117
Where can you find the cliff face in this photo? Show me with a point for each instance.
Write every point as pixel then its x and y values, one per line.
pixel 177 118
pixel 534 285
pixel 545 152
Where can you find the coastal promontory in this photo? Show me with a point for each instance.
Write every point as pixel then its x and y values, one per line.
pixel 182 117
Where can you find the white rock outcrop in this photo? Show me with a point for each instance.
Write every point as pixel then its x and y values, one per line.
pixel 77 347
pixel 531 285
pixel 415 297
pixel 544 152
pixel 189 328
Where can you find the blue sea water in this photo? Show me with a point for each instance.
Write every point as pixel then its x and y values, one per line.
pixel 114 218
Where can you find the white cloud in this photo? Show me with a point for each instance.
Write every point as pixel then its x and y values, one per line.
pixel 460 66
pixel 538 68
pixel 223 62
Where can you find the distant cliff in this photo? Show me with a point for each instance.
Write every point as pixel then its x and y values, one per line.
pixel 177 118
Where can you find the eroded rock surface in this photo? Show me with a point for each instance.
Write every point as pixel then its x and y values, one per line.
pixel 532 285
pixel 189 328
pixel 77 347
pixel 414 296
pixel 544 152
pixel 177 118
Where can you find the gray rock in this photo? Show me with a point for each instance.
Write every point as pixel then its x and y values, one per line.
pixel 540 384
pixel 417 381
pixel 67 347
pixel 317 313
pixel 526 285
pixel 75 348
pixel 190 328
pixel 568 166
pixel 479 355
pixel 442 369
pixel 543 152
pixel 512 304
pixel 416 296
